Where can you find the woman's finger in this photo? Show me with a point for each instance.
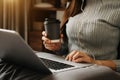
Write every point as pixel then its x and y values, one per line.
pixel 44 33
pixel 46 40
pixel 52 47
pixel 70 56
pixel 78 60
pixel 77 55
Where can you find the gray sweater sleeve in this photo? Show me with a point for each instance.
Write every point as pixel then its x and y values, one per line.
pixel 117 62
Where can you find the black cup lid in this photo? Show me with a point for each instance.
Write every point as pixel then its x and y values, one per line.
pixel 51 20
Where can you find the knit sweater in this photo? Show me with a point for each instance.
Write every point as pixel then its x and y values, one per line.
pixel 96 31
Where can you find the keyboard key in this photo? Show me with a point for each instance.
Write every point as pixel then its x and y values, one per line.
pixel 54 64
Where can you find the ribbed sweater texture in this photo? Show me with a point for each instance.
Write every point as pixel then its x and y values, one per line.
pixel 96 31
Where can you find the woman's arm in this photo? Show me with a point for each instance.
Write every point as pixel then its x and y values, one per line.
pixel 108 63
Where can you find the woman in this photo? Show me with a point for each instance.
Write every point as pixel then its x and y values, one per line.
pixel 90 31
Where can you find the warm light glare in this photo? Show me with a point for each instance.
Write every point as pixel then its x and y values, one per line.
pixel 11 1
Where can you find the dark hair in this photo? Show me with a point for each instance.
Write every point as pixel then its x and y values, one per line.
pixel 73 9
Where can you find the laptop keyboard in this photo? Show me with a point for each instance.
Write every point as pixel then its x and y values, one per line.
pixel 54 64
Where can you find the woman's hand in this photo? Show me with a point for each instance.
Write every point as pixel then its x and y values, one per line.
pixel 77 56
pixel 48 44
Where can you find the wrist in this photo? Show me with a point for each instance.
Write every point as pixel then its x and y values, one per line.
pixel 108 63
pixel 98 62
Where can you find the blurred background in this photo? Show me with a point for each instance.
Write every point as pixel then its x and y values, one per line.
pixel 27 17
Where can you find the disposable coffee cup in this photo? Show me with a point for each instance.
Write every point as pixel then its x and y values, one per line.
pixel 52 28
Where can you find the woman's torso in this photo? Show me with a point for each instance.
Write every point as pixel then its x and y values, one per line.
pixel 96 30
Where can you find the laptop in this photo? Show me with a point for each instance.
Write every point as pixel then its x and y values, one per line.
pixel 15 50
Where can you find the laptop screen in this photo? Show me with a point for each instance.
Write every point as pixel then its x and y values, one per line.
pixel 13 49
